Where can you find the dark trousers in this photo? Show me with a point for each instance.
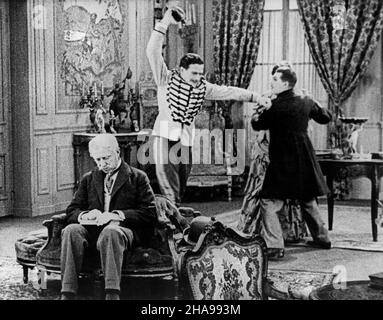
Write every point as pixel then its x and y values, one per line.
pixel 173 165
pixel 272 231
pixel 111 243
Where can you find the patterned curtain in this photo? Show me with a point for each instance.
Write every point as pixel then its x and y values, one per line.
pixel 237 26
pixel 342 36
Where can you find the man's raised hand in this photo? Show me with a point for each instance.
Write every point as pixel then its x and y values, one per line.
pixel 168 17
pixel 264 103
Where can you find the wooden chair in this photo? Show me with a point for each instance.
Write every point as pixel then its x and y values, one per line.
pixel 227 265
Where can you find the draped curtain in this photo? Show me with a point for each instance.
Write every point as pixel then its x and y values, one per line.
pixel 342 36
pixel 237 26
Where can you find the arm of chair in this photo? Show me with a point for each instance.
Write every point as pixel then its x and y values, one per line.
pixel 169 214
pixel 55 225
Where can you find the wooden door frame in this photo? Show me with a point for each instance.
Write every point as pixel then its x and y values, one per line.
pixel 6 98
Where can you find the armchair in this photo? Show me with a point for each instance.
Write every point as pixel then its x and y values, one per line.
pixel 157 259
pixel 227 265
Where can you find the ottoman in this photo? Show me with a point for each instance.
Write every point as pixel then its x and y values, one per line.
pixel 27 247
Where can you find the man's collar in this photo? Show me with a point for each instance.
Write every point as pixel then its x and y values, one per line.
pixel 285 93
pixel 178 74
pixel 117 168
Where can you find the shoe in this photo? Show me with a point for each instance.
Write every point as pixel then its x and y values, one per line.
pixel 320 244
pixel 68 296
pixel 275 253
pixel 112 296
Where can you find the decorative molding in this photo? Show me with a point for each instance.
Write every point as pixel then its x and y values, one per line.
pixel 2 175
pixel 40 73
pixel 373 125
pixel 64 168
pixel 3 146
pixel 55 131
pixel 43 176
pixel 70 111
pixel 37 54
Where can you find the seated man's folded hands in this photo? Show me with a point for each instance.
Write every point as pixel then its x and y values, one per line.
pixel 108 218
pixel 96 217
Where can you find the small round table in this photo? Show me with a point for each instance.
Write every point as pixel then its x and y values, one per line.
pixel 351 290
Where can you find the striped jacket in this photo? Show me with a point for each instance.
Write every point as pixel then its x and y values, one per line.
pixel 178 102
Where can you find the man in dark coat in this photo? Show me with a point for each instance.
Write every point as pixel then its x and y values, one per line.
pixel 112 210
pixel 293 172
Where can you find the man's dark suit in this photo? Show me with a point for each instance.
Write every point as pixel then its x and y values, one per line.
pixel 131 194
pixel 293 172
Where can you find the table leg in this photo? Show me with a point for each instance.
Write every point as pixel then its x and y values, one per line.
pixel 330 200
pixel 374 201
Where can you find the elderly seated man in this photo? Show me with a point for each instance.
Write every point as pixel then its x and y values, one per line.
pixel 112 210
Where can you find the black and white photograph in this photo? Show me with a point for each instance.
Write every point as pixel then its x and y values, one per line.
pixel 203 152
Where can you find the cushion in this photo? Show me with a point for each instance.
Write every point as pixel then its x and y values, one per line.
pixel 26 247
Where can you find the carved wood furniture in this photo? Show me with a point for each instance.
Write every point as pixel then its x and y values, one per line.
pixel 26 249
pixel 203 176
pixel 372 169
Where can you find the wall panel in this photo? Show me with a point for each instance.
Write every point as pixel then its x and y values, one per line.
pixel 64 168
pixel 43 172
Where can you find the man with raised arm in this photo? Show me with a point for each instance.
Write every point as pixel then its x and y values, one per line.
pixel 181 94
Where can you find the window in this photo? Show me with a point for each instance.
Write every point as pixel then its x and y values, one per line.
pixel 283 38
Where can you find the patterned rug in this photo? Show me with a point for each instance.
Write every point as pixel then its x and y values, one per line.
pixel 13 288
pixel 351 228
pixel 299 280
pixel 361 242
pixel 11 282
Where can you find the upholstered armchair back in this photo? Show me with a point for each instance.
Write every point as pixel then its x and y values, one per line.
pixel 225 265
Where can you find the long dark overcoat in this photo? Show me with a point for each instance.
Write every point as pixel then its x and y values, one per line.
pixel 293 172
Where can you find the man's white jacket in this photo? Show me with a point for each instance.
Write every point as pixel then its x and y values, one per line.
pixel 166 125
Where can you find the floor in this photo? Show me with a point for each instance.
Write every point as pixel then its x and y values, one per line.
pixel 356 265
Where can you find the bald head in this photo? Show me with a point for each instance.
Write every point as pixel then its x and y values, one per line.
pixel 103 141
pixel 104 149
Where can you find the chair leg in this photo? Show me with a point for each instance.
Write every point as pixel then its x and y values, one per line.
pixel 229 186
pixel 42 279
pixel 176 289
pixel 25 274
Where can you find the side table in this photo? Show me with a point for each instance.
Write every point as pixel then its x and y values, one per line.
pixel 372 169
